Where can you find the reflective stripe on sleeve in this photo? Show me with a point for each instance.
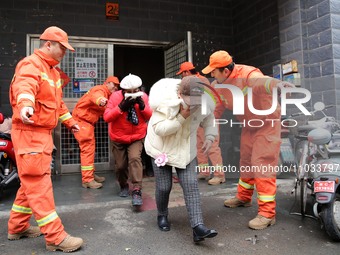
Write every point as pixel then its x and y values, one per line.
pixel 64 117
pixel 26 96
pixel 97 101
pixel 245 90
pixel 267 86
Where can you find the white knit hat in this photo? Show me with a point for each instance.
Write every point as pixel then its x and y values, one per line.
pixel 131 81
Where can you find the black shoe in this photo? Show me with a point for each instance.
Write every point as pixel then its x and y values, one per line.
pixel 124 191
pixel 163 223
pixel 137 197
pixel 200 232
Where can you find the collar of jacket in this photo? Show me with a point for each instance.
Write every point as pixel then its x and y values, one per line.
pixel 52 62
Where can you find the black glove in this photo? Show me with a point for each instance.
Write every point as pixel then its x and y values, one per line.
pixel 140 102
pixel 125 104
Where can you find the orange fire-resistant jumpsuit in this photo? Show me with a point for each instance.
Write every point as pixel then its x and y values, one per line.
pixel 260 146
pixel 87 112
pixel 37 84
pixel 214 153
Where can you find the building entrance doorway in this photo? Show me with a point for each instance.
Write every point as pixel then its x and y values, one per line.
pixel 145 62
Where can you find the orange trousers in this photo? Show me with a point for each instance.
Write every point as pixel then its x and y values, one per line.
pixel 259 157
pixel 87 145
pixel 214 154
pixel 33 152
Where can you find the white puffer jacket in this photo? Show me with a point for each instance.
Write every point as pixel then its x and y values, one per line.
pixel 168 132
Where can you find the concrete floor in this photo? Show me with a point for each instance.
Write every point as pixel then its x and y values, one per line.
pixel 108 224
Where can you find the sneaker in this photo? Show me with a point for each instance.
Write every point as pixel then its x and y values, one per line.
pixel 137 197
pixel 235 202
pixel 99 178
pixel 69 244
pixel 261 222
pixel 124 192
pixel 92 185
pixel 31 232
pixel 216 181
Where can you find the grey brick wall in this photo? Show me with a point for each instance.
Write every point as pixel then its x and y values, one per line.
pixel 309 33
pixel 256 34
pixel 335 25
pixel 291 32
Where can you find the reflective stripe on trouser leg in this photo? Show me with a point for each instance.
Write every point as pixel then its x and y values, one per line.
pixel 36 190
pixel 266 190
pixel 47 219
pixel 20 214
pixel 87 145
pixel 266 150
pixel 87 173
pixel 245 189
pixel 39 193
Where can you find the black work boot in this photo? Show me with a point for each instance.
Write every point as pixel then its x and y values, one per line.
pixel 137 197
pixel 200 232
pixel 163 223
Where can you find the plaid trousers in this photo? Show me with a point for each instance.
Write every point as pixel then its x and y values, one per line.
pixel 188 181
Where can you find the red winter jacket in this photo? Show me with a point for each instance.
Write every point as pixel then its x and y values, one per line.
pixel 120 129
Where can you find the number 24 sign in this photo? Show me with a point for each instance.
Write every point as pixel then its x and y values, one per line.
pixel 112 11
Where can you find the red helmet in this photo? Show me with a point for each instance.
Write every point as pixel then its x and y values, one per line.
pixel 1 118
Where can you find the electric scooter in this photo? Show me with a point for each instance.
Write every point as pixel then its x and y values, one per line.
pixel 318 169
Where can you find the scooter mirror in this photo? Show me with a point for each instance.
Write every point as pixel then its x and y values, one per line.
pixel 319 106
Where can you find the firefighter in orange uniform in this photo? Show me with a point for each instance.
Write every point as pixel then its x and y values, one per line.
pixel 87 112
pixel 214 154
pixel 260 146
pixel 36 99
